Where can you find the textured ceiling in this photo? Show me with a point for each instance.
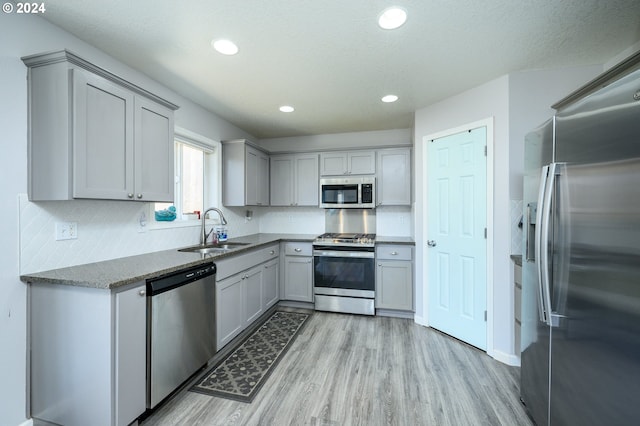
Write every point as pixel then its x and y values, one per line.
pixel 329 59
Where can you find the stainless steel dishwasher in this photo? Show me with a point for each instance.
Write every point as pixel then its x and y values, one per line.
pixel 181 329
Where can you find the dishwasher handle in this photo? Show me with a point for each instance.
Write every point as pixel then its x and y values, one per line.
pixel 173 280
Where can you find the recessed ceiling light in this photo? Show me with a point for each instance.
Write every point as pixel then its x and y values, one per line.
pixel 389 98
pixel 392 18
pixel 287 108
pixel 226 47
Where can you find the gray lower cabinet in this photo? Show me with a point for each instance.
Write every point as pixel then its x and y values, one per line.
pixel 517 305
pixel 254 305
pixel 394 177
pixel 270 280
pixel 394 277
pixel 246 287
pixel 88 354
pixel 229 309
pixel 94 135
pixel 298 272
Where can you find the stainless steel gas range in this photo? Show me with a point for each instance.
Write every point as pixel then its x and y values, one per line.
pixel 344 273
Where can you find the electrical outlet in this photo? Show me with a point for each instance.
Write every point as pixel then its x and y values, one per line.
pixel 66 231
pixel 142 222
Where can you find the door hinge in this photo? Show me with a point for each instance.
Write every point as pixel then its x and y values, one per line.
pixel 485 150
pixel 485 233
pixel 485 316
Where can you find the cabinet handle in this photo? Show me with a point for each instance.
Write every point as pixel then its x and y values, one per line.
pixel 309 261
pixel 139 196
pixel 297 250
pixel 142 293
pixel 272 252
pixel 394 253
pixel 130 195
pixel 379 264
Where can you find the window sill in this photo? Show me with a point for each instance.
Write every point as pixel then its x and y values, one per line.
pixel 154 224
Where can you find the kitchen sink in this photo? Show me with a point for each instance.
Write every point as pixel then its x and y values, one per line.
pixel 213 248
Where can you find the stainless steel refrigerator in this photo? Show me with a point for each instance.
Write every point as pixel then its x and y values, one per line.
pixel 580 335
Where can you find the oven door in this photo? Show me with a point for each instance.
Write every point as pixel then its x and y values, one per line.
pixel 344 272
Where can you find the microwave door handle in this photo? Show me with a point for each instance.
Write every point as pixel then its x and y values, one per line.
pixel 544 249
pixel 538 243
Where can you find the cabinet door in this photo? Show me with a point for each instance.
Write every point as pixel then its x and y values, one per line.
pixel 306 180
pixel 229 309
pixel 130 357
pixel 361 162
pixel 251 181
pixel 154 179
pixel 394 285
pixel 394 177
pixel 298 280
pixel 282 169
pixel 333 163
pixel 253 307
pixel 103 139
pixel 263 179
pixel 270 284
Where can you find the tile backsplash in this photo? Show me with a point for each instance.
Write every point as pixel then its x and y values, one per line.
pixel 106 230
pixel 111 229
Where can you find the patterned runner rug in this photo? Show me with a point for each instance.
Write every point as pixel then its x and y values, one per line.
pixel 243 372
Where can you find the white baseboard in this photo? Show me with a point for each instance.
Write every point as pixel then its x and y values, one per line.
pixel 509 359
pixel 419 319
pixel 27 423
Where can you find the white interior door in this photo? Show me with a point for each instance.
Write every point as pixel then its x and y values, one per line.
pixel 457 245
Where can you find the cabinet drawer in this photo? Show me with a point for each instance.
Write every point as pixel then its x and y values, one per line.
pixel 298 249
pixel 242 261
pixel 391 252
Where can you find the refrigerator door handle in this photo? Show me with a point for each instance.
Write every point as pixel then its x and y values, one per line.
pixel 542 312
pixel 544 241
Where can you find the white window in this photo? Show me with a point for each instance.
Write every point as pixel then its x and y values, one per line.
pixel 197 180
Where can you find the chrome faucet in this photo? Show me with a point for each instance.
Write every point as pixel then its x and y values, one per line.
pixel 203 233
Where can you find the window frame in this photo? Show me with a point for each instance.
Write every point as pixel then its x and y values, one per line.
pixel 212 174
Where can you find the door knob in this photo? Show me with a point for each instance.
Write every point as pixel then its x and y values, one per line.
pixel 431 243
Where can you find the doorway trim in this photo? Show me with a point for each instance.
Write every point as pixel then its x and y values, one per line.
pixel 488 124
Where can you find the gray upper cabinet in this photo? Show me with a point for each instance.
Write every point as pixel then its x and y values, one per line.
pixel 245 175
pixel 94 135
pixel 294 180
pixel 347 163
pixel 394 177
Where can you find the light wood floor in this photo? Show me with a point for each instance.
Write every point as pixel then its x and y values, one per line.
pixel 357 370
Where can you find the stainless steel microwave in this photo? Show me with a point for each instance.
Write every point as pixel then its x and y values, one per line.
pixel 345 193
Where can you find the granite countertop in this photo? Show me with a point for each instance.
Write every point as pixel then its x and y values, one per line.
pixel 111 274
pixel 395 240
pixel 517 258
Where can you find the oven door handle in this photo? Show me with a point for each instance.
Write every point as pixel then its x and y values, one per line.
pixel 347 254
